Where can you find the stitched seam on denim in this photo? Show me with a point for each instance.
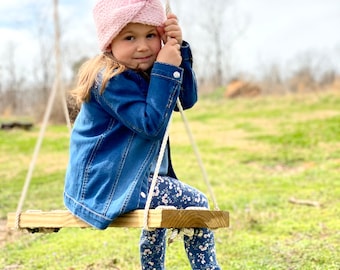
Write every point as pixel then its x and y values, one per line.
pixel 118 174
pixel 91 159
pixel 138 175
pixel 85 207
pixel 179 80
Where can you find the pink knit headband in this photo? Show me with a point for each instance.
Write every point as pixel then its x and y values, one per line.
pixel 111 16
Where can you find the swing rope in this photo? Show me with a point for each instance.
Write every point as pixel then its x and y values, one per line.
pixel 35 156
pixel 159 162
pixel 57 86
pixel 155 175
pixel 198 156
pixel 162 150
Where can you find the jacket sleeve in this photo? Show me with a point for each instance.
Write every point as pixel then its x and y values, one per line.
pixel 145 108
pixel 188 93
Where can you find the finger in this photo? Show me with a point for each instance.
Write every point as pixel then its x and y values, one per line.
pixel 174 34
pixel 171 26
pixel 171 16
pixel 171 22
pixel 172 41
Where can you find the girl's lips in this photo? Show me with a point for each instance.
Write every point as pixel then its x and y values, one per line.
pixel 146 58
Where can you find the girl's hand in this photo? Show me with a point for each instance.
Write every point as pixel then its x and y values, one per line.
pixel 171 29
pixel 170 53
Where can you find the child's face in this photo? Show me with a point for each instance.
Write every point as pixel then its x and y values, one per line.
pixel 137 46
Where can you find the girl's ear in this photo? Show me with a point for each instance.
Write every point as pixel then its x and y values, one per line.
pixel 161 32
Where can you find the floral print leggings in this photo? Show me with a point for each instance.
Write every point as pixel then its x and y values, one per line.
pixel 200 247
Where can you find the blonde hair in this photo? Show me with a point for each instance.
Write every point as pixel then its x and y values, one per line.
pixel 88 73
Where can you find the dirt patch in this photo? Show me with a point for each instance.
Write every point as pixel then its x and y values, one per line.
pixel 8 235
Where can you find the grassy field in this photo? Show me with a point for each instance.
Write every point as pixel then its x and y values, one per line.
pixel 259 153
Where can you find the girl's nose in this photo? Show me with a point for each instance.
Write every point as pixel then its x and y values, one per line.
pixel 142 45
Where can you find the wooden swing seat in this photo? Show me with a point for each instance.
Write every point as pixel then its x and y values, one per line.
pixel 39 221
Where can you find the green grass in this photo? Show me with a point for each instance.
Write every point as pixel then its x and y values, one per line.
pixel 259 153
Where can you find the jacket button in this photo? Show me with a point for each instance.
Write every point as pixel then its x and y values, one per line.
pixel 176 74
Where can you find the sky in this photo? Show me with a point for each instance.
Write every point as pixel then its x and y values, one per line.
pixel 282 31
pixel 279 32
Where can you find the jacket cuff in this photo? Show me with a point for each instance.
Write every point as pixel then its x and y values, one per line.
pixel 169 71
pixel 186 51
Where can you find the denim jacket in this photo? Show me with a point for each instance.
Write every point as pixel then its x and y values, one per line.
pixel 117 135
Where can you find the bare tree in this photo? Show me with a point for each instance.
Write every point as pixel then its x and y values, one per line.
pixel 17 92
pixel 43 67
pixel 212 27
pixel 310 70
pixel 272 81
pixel 14 82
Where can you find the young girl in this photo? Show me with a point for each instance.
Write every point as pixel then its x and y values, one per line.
pixel 127 95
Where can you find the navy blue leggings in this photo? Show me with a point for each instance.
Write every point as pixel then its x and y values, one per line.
pixel 200 247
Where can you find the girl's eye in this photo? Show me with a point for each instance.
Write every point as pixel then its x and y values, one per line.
pixel 129 38
pixel 152 35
